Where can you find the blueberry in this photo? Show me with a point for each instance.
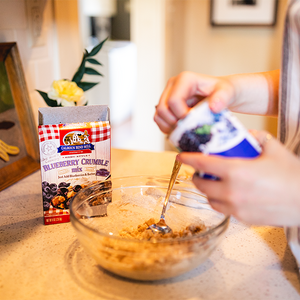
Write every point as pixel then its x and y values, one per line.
pixel 67 204
pixel 64 184
pixel 46 205
pixel 48 198
pixel 62 191
pixel 52 185
pixel 54 190
pixel 44 183
pixel 77 188
pixel 102 172
pixel 61 184
pixel 190 140
pixel 47 189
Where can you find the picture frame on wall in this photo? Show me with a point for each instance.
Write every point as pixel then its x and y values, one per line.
pixel 243 12
pixel 19 150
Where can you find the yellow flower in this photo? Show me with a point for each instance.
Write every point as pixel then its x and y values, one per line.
pixel 66 93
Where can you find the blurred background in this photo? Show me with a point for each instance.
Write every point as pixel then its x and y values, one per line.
pixel 149 41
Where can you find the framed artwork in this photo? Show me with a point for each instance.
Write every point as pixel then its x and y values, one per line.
pixel 243 12
pixel 19 152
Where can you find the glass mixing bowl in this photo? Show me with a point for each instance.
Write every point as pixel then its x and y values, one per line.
pixel 100 211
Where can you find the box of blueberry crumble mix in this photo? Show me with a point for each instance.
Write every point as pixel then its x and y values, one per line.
pixel 75 151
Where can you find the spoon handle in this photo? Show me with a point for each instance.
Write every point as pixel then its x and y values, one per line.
pixel 174 174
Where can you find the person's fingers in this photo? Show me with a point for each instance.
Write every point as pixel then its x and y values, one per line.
pixel 186 90
pixel 210 164
pixel 215 192
pixel 269 144
pixel 166 115
pixel 163 126
pixel 164 96
pixel 263 137
pixel 189 87
pixel 194 100
pixel 184 87
pixel 162 109
pixel 220 206
pixel 214 189
pixel 221 97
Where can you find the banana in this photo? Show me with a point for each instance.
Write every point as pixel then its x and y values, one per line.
pixel 3 154
pixel 12 150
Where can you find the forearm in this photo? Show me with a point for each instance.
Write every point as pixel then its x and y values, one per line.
pixel 255 93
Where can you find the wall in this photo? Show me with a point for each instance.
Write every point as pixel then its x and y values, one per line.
pixel 49 48
pixel 148 34
pixel 37 58
pixel 194 45
pixel 69 44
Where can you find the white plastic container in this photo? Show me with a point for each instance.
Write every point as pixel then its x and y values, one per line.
pixel 214 134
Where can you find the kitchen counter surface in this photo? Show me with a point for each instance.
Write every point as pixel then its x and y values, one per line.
pixel 47 262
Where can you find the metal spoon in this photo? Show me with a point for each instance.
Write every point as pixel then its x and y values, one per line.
pixel 161 226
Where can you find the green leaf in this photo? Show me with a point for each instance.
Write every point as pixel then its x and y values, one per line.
pixel 49 102
pixel 91 71
pixel 97 48
pixel 86 85
pixel 81 70
pixel 93 61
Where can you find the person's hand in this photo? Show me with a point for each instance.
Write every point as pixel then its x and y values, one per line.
pixel 264 190
pixel 187 89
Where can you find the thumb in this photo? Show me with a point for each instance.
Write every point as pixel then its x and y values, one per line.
pixel 220 98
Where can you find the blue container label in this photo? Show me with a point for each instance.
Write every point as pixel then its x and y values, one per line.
pixel 217 134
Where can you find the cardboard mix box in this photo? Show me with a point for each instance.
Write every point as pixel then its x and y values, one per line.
pixel 75 151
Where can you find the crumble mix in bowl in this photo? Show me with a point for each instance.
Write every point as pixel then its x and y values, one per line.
pixel 111 220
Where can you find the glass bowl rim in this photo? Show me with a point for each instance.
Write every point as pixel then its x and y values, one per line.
pixel 224 223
